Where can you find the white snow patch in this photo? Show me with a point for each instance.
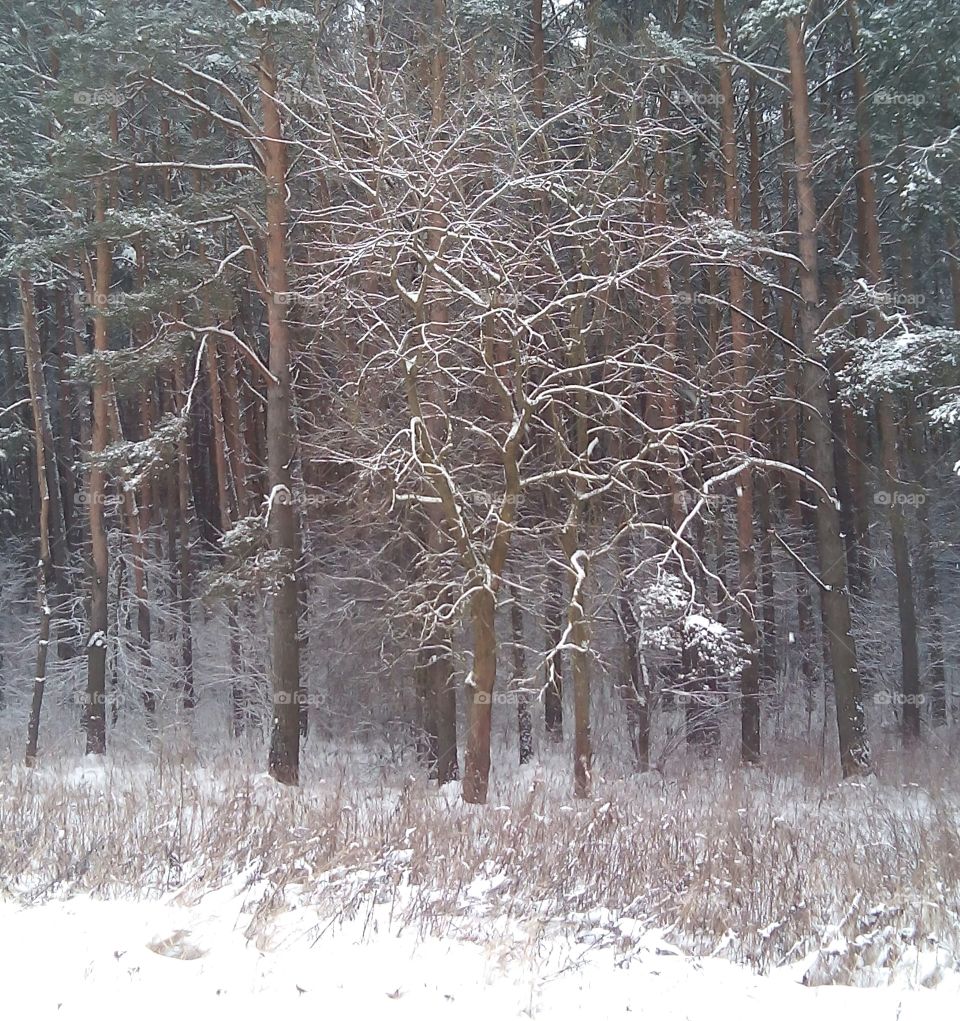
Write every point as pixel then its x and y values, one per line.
pixel 215 957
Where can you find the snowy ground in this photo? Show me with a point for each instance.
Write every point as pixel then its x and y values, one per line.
pixel 83 958
pixel 149 887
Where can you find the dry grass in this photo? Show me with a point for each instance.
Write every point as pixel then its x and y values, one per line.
pixel 763 867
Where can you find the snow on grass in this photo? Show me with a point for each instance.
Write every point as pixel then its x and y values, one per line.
pixel 216 957
pixel 206 872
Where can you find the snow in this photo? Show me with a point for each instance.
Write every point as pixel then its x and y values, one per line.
pixel 350 895
pixel 214 957
pixel 269 20
pixel 279 494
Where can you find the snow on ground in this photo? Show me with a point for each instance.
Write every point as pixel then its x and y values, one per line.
pixel 81 958
pixel 147 888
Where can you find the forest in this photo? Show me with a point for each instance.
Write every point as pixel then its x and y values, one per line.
pixel 488 401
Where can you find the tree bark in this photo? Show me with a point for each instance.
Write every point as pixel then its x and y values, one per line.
pixel 284 760
pixel 553 690
pixel 578 637
pixel 749 677
pixel 953 259
pixel 524 722
pixel 427 709
pixel 633 684
pixel 443 690
pixel 835 601
pixel 43 442
pixel 180 480
pixel 871 261
pixel 476 774
pixel 929 588
pixel 95 722
pixel 763 420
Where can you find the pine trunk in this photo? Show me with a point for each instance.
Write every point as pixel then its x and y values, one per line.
pixel 749 677
pixel 872 263
pixel 284 762
pixel 835 601
pixel 43 442
pixel 95 721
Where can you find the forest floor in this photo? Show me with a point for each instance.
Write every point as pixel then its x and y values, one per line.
pixel 156 882
pixel 84 958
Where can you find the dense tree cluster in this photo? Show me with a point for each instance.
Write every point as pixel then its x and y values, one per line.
pixel 462 360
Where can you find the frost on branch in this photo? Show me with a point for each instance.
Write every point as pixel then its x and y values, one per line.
pixel 669 621
pixel 898 353
pixel 717 648
pixel 948 413
pixel 726 242
pixel 249 565
pixel 769 15
pixel 668 46
pixel 129 368
pixel 139 461
pixel 266 19
pixel 901 360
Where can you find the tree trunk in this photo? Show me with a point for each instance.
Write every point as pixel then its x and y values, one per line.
pixel 553 690
pixel 749 677
pixel 284 763
pixel 871 261
pixel 835 602
pixel 929 588
pixel 524 722
pixel 909 654
pixel 95 722
pixel 953 258
pixel 443 690
pixel 426 709
pixel 62 483
pixel 476 773
pixel 578 639
pixel 43 437
pixel 238 701
pixel 763 428
pixel 184 559
pixel 633 685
